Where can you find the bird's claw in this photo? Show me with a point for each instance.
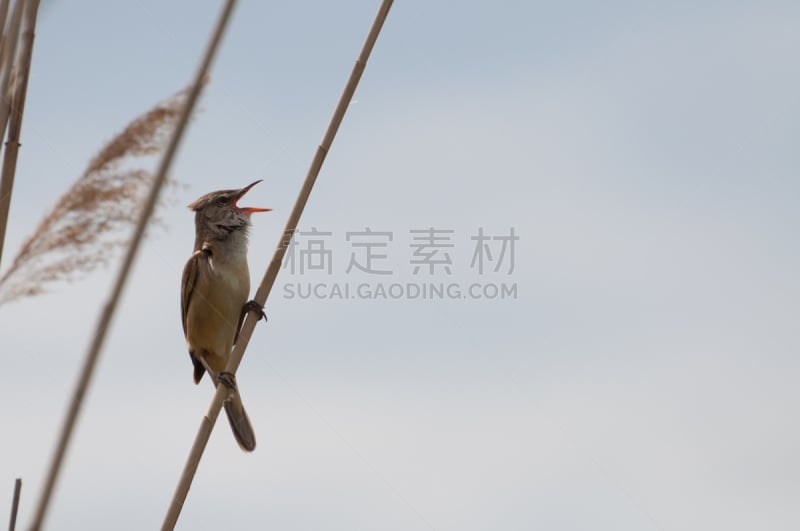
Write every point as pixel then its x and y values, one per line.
pixel 227 379
pixel 249 306
pixel 254 306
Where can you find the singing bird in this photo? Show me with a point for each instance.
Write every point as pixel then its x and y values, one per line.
pixel 215 288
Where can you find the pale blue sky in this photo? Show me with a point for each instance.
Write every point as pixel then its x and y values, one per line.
pixel 645 377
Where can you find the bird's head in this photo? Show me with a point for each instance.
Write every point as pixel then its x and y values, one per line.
pixel 218 214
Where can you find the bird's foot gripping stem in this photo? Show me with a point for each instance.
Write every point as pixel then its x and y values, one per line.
pixel 227 379
pixel 249 306
pixel 254 306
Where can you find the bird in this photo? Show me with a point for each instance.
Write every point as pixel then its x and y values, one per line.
pixel 214 292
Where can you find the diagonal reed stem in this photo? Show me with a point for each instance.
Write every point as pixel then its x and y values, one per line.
pixel 107 311
pixel 207 423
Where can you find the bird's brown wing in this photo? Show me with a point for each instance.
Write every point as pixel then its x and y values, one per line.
pixel 190 272
pixel 188 282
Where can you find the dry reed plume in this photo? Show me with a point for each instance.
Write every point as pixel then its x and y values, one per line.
pixel 83 229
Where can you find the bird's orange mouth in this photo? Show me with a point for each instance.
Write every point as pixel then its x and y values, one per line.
pixel 247 210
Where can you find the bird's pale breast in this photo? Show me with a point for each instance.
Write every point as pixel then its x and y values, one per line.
pixel 219 294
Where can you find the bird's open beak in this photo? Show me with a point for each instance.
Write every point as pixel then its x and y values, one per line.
pixel 248 210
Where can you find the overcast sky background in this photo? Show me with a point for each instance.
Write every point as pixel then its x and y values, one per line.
pixel 646 375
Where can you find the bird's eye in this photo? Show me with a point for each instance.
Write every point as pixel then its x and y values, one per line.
pixel 221 201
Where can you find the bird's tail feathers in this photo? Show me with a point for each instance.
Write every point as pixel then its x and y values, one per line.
pixel 240 423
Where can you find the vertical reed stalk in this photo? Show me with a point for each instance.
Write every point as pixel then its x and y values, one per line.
pixel 7 60
pixel 3 15
pixel 8 50
pixel 16 106
pixel 12 524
